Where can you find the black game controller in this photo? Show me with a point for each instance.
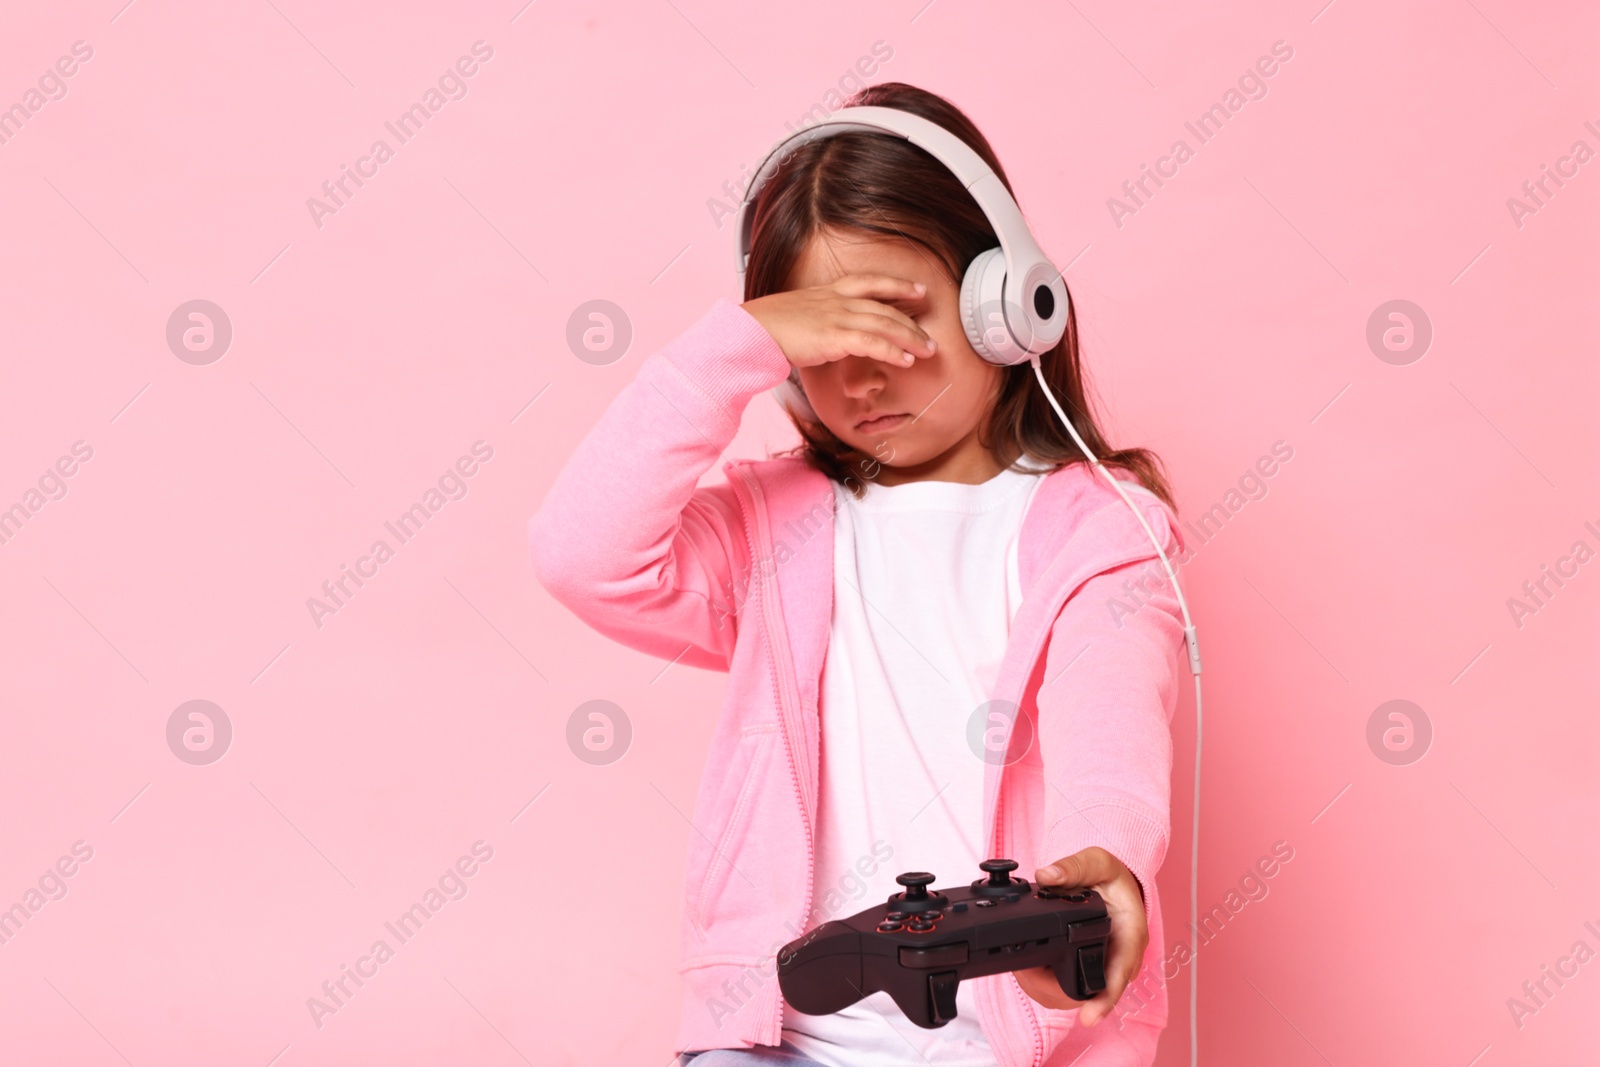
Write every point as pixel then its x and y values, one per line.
pixel 920 945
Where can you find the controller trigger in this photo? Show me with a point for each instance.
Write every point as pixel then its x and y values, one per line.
pixel 1091 970
pixel 942 996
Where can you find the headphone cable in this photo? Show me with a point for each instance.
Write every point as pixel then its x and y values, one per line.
pixel 1193 644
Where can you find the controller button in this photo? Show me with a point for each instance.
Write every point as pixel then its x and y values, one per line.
pixel 895 916
pixel 919 926
pixel 941 956
pixel 1063 893
pixel 1012 898
pixel 959 907
pixel 1056 892
pixel 932 916
pixel 887 927
pixel 983 903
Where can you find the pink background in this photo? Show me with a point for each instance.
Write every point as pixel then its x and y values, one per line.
pixel 371 752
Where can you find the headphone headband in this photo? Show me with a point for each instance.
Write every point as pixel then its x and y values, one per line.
pixel 1032 298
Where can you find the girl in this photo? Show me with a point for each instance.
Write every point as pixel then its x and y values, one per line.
pixel 943 639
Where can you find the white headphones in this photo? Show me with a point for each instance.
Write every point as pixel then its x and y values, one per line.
pixel 1014 308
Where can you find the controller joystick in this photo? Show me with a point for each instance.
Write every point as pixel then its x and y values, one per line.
pixel 916 883
pixel 916 897
pixel 1000 883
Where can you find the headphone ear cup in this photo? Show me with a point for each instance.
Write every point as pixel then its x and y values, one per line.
pixel 792 398
pixel 983 314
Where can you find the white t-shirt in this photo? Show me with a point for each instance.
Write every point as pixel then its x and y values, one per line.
pixel 925 588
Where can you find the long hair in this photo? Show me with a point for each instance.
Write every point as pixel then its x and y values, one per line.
pixel 885 185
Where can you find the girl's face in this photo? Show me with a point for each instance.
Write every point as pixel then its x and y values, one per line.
pixel 945 396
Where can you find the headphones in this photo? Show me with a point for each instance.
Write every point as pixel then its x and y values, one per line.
pixel 1014 308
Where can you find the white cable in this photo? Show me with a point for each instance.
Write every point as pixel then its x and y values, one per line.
pixel 1193 644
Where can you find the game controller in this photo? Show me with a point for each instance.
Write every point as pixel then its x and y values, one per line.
pixel 920 945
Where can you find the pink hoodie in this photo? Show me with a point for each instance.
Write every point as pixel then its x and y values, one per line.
pixel 738 577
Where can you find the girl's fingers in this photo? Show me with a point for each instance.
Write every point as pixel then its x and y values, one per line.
pixel 895 327
pixel 878 286
pixel 873 346
pixel 873 307
pixel 850 316
pixel 1118 976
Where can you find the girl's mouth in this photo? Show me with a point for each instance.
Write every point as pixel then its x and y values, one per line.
pixel 882 423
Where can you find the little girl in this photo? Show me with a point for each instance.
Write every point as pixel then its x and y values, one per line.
pixel 942 636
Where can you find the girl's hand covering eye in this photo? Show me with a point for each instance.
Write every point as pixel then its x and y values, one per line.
pixel 846 317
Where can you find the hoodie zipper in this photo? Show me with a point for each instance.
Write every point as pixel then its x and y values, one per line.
pixel 787 699
pixel 1024 1005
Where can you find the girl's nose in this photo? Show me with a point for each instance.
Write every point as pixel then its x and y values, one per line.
pixel 861 376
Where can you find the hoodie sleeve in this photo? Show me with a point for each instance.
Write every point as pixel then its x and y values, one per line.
pixel 624 538
pixel 1112 671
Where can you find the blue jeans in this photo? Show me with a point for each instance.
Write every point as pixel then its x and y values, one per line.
pixel 760 1056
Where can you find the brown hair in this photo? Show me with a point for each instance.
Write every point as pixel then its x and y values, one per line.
pixel 885 185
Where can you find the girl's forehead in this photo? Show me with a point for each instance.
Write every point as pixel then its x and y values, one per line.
pixel 831 252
